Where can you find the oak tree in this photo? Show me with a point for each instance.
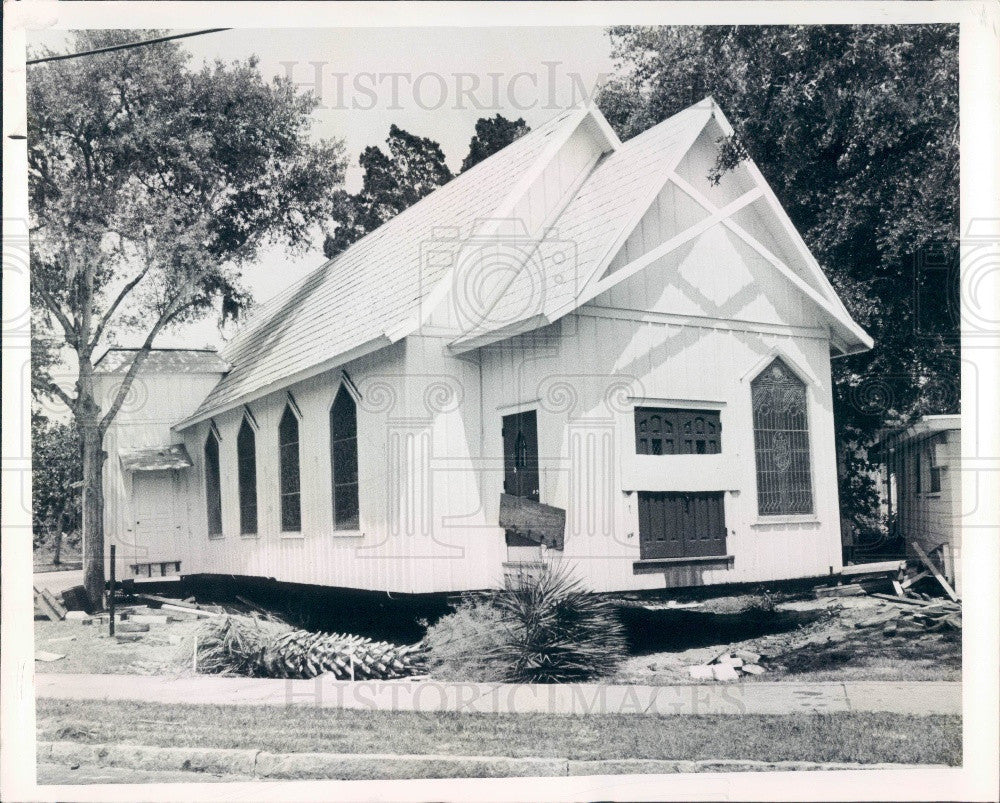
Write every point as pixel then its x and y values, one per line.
pixel 152 183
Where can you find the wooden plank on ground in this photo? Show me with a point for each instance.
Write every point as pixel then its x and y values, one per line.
pixel 909 581
pixel 934 570
pixel 905 600
pixel 54 602
pixel 851 590
pixel 874 568
pixel 46 607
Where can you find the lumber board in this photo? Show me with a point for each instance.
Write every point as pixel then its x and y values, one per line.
pixel 905 600
pixel 184 609
pixel 54 602
pixel 935 571
pixel 874 568
pixel 540 523
pixel 909 581
pixel 46 607
pixel 177 605
pixel 851 590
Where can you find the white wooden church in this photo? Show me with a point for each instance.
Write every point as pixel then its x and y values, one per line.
pixel 580 350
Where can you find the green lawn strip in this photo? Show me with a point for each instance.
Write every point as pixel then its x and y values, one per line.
pixel 841 737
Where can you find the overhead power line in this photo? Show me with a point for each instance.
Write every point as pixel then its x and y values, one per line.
pixel 125 46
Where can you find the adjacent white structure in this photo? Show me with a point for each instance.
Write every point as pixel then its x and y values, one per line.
pixel 631 353
pixel 923 481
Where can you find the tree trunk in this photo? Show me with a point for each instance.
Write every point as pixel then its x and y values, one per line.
pixel 57 546
pixel 93 515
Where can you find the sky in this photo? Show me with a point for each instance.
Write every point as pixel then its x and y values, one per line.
pixel 432 82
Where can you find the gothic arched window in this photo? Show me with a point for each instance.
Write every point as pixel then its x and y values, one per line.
pixel 289 481
pixel 344 461
pixel 781 442
pixel 213 485
pixel 246 466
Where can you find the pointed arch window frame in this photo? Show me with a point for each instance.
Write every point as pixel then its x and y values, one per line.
pixel 289 525
pixel 808 382
pixel 248 420
pixel 351 526
pixel 213 495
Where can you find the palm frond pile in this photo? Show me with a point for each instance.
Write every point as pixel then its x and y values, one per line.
pixel 242 645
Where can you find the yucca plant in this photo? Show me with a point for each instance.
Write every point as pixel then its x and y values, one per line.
pixel 557 631
pixel 241 645
pixel 543 627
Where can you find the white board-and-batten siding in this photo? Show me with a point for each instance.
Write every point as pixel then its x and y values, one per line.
pixel 431 462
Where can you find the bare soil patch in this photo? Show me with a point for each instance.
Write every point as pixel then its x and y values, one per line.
pixel 807 639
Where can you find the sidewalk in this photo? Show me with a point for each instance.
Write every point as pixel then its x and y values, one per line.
pixel 934 697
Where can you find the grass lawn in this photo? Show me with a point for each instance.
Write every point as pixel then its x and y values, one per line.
pixel 69 557
pixel 843 737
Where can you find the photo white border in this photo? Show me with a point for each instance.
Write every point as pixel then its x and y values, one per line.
pixel 980 162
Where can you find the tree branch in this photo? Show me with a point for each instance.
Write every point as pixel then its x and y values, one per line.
pixel 169 313
pixel 53 389
pixel 106 318
pixel 72 335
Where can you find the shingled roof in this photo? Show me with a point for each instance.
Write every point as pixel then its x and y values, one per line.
pixel 358 300
pixel 118 360
pixel 383 287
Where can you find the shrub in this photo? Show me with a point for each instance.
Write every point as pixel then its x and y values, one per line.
pixel 462 645
pixel 542 628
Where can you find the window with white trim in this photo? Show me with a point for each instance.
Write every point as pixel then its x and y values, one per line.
pixel 246 469
pixel 344 460
pixel 660 430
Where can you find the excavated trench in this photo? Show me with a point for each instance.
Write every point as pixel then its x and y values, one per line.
pixel 672 630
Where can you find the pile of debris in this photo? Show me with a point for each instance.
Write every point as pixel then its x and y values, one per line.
pixel 729 666
pixel 915 616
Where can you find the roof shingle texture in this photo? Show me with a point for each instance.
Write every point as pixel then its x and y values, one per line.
pixel 164 361
pixel 374 285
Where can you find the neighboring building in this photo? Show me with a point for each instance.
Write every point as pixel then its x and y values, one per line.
pixel 635 358
pixel 924 490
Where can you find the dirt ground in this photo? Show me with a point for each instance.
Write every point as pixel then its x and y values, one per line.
pixel 166 649
pixel 823 642
pixel 804 639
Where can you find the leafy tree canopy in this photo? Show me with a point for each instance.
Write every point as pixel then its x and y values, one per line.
pixel 144 170
pixel 413 168
pixel 56 472
pixel 493 134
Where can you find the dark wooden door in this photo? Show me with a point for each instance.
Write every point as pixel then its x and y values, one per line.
pixel 681 525
pixel 520 455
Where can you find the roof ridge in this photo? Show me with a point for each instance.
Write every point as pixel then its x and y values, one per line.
pixel 266 307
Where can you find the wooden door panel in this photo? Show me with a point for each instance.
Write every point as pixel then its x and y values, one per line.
pixel 520 455
pixel 681 525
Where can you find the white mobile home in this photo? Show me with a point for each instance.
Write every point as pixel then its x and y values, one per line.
pixel 579 350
